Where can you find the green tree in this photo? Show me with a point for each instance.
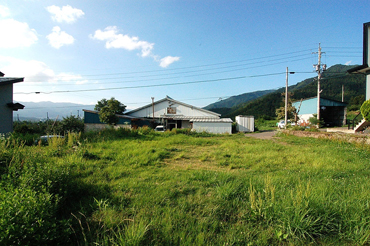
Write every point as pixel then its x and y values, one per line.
pixel 108 110
pixel 365 110
pixel 72 124
pixel 291 110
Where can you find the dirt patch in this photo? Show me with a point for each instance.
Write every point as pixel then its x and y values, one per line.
pixel 262 135
pixel 352 138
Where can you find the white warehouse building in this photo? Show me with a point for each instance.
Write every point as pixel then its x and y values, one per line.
pixel 174 114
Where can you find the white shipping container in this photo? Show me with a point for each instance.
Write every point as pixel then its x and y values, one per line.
pixel 244 123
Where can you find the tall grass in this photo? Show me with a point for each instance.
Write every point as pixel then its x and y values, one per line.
pixel 139 187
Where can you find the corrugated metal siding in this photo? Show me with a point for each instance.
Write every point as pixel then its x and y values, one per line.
pixel 244 123
pixel 212 127
pixel 309 106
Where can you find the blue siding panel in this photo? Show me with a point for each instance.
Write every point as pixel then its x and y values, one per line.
pixel 309 106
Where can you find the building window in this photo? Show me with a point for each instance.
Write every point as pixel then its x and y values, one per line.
pixel 171 110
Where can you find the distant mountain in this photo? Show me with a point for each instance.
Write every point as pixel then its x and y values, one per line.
pixel 35 111
pixel 237 100
pixel 331 85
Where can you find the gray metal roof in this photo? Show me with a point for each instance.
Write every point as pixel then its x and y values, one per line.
pixel 212 120
pixel 167 98
pixel 183 117
pixel 8 80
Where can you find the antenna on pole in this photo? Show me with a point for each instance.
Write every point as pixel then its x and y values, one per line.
pixel 319 71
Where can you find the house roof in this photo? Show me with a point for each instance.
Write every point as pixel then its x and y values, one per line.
pixel 324 102
pixel 167 98
pixel 212 120
pixel 15 106
pixel 183 117
pixel 8 80
pixel 364 68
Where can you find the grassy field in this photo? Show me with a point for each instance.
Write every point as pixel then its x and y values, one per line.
pixel 179 188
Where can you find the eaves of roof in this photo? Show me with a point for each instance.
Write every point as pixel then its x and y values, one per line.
pixel 212 120
pixel 363 69
pixel 7 80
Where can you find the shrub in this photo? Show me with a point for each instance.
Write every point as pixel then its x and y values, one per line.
pixel 365 110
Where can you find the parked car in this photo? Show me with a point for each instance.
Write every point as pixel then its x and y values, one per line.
pixel 281 124
pixel 160 128
pixel 45 139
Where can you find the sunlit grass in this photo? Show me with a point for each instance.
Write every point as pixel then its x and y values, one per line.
pixel 144 188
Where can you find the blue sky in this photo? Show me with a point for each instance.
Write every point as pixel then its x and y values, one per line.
pixel 193 51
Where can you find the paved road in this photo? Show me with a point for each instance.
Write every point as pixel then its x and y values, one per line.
pixel 262 135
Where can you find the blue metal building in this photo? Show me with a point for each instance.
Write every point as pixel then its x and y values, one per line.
pixel 332 112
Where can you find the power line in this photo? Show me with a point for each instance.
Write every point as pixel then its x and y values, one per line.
pixel 166 78
pixel 134 87
pixel 189 67
pixel 155 85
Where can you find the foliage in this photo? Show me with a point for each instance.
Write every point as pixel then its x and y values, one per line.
pixel 72 124
pixel 291 110
pixel 365 110
pixel 356 102
pixel 108 109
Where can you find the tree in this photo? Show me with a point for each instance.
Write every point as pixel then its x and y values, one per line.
pixel 72 124
pixel 108 110
pixel 291 110
pixel 365 110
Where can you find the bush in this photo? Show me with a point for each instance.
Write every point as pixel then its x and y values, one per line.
pixel 72 124
pixel 365 110
pixel 28 217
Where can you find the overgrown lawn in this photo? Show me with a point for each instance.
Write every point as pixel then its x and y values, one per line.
pixel 180 188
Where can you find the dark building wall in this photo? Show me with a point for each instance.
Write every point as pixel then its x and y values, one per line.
pixel 6 113
pixel 92 118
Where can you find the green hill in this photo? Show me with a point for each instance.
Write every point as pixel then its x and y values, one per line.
pixel 331 85
pixel 235 101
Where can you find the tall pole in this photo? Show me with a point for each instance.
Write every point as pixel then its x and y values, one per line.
pixel 319 71
pixel 342 93
pixel 286 99
pixel 153 106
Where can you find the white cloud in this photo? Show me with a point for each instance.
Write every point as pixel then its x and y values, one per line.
pixel 65 14
pixel 4 11
pixel 115 40
pixel 32 71
pixel 168 60
pixel 348 63
pixel 16 34
pixel 67 77
pixel 58 38
pixel 35 72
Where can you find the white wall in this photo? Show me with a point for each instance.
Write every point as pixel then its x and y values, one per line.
pixel 303 118
pixel 212 127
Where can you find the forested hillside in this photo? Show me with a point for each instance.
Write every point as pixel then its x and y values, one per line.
pixel 235 101
pixel 331 85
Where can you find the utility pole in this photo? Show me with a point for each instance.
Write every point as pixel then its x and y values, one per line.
pixel 342 93
pixel 286 96
pixel 286 99
pixel 319 71
pixel 153 106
